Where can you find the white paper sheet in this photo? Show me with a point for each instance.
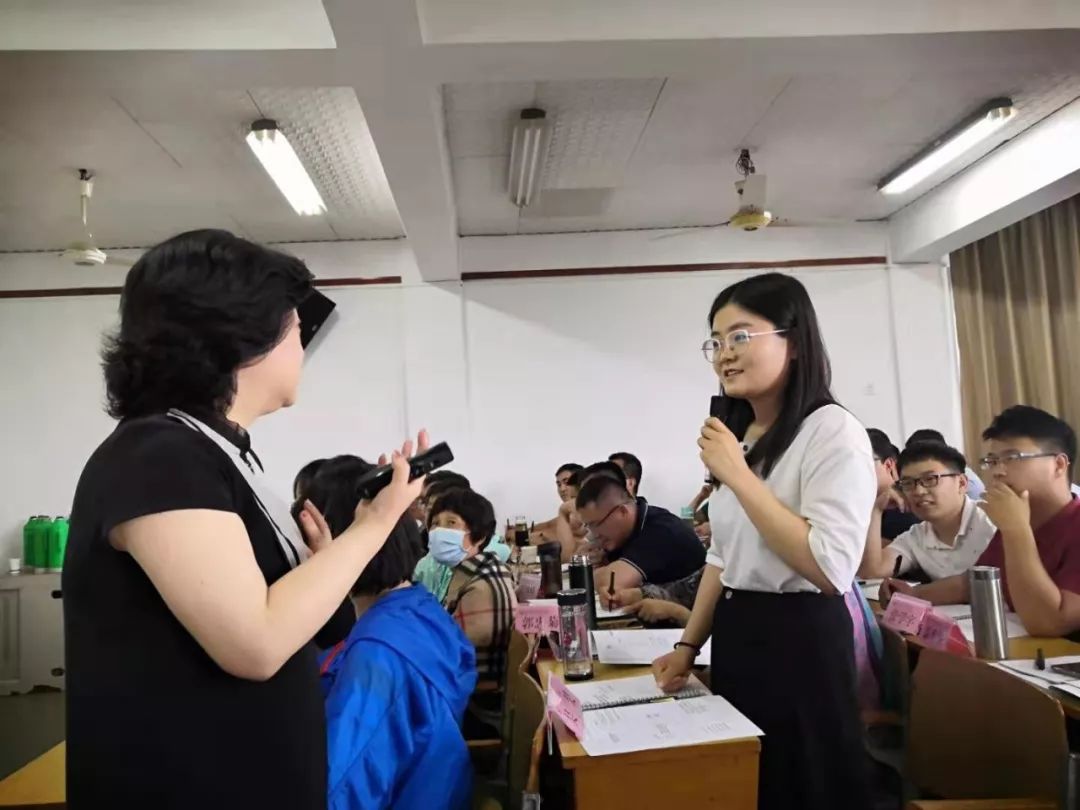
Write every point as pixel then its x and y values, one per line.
pixel 1013 627
pixel 1026 670
pixel 664 725
pixel 640 647
pixel 596 695
pixel 603 613
pixel 955 612
pixel 870 588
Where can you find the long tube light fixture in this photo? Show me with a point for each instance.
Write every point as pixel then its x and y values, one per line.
pixel 984 122
pixel 528 152
pixel 279 159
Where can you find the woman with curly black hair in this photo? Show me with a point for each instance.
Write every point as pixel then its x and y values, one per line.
pixel 190 597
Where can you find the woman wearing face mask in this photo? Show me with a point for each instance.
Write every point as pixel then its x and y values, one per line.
pixel 480 592
pixel 796 484
pixel 190 597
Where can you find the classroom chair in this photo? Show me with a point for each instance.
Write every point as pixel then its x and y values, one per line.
pixel 491 756
pixel 885 729
pixel 980 739
pixel 527 740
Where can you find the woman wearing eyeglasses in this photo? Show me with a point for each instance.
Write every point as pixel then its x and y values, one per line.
pixel 795 487
pixel 952 531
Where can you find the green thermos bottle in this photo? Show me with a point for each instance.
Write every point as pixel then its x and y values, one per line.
pixel 41 544
pixel 56 544
pixel 29 528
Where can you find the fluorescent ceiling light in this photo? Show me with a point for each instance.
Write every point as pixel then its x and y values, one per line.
pixel 528 153
pixel 990 118
pixel 276 155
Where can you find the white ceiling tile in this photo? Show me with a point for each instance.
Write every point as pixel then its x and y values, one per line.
pixel 326 126
pixel 488 97
pixel 595 127
pixel 171 161
pixel 823 142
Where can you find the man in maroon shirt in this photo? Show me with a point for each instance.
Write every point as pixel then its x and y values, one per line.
pixel 1030 454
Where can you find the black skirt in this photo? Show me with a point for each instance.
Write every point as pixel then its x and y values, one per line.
pixel 787 662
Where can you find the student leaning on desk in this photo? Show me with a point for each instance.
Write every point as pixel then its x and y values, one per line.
pixel 790 515
pixel 952 531
pixel 1030 454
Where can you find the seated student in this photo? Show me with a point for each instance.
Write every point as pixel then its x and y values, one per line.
pixel 895 520
pixel 954 531
pixel 304 477
pixel 642 543
pixel 543 532
pixel 976 488
pixel 1030 454
pixel 569 528
pixel 396 688
pixel 479 590
pixel 631 466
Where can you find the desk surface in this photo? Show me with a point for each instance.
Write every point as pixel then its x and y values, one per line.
pixel 39 782
pixel 574 755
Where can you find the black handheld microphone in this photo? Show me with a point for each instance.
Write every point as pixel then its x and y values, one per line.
pixel 375 481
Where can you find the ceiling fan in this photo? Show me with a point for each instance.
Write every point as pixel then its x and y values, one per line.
pixel 752 213
pixel 83 252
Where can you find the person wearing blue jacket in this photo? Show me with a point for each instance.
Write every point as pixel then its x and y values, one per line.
pixel 396 688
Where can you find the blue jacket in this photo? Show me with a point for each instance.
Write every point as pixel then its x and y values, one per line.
pixel 396 691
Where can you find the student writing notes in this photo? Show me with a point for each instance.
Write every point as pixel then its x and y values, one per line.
pixel 642 543
pixel 953 531
pixel 396 688
pixel 789 525
pixel 1029 456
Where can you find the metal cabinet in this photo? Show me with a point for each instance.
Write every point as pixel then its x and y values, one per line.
pixel 31 633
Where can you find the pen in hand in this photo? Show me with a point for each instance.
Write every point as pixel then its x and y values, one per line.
pixel 896 565
pixel 611 591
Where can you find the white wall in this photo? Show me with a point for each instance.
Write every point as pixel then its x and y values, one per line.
pixel 518 375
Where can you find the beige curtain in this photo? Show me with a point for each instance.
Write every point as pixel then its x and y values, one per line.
pixel 1017 298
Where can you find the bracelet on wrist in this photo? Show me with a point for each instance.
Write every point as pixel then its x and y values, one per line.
pixel 695 647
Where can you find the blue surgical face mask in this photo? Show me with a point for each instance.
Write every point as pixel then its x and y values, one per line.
pixel 447 546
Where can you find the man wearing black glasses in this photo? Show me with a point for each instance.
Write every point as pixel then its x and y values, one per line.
pixel 1030 456
pixel 953 533
pixel 642 543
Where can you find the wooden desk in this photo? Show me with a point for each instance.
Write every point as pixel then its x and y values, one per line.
pixel 39 784
pixel 721 774
pixel 1022 647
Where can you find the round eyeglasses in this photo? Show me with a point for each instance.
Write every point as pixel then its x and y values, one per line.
pixel 738 340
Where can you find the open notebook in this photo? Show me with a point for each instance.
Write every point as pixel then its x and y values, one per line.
pixel 640 647
pixel 630 692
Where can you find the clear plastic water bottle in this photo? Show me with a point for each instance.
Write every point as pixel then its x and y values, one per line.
pixel 574 634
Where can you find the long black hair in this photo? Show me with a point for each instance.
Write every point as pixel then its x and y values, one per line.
pixel 194 309
pixel 783 301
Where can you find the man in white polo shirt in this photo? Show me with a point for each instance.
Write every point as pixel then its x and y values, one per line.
pixel 954 531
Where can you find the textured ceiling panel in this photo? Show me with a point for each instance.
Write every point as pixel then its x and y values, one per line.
pixel 171 160
pixel 595 127
pixel 327 129
pixel 823 140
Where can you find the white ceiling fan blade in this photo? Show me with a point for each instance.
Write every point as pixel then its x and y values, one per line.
pixel 686 231
pixel 118 261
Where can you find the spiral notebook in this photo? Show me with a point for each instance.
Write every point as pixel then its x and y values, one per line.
pixel 631 692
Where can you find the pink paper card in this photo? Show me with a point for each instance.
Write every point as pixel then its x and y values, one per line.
pixel 563 704
pixel 935 630
pixel 531 618
pixel 528 587
pixel 905 613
